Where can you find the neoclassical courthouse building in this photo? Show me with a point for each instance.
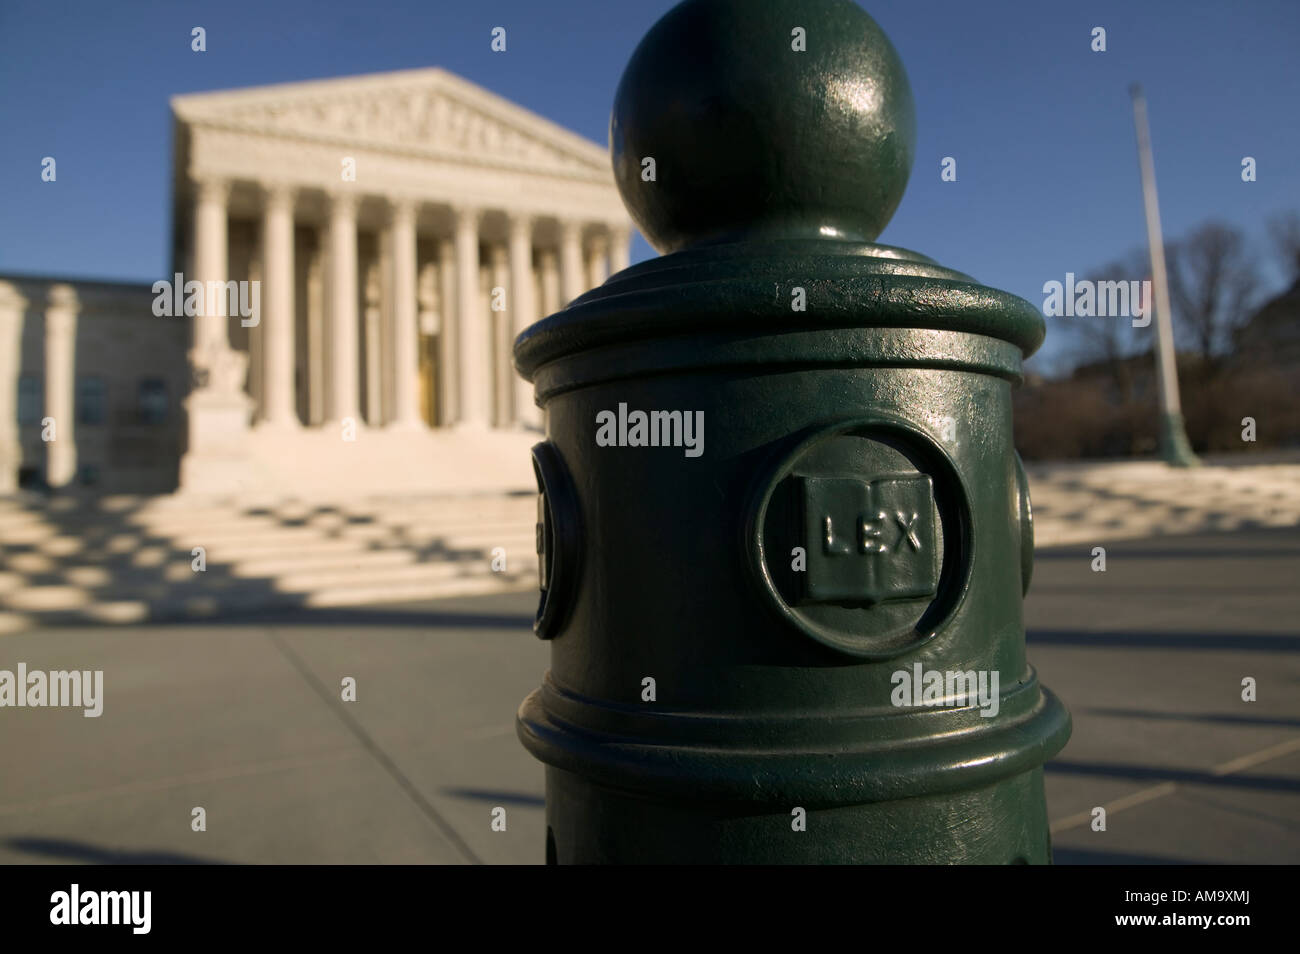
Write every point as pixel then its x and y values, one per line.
pixel 402 229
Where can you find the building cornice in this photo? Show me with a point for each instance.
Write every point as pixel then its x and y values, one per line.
pixel 427 113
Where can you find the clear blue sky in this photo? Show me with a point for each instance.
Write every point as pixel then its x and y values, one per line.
pixel 1040 125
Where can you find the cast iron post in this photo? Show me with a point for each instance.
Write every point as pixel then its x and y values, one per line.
pixel 784 533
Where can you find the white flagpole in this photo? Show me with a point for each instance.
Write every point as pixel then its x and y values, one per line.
pixel 1174 446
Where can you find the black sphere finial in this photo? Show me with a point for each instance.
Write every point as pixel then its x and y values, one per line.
pixel 762 118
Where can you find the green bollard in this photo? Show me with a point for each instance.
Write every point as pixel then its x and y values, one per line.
pixel 784 536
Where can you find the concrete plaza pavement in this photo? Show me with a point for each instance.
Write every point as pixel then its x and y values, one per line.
pixel 243 717
pixel 1149 656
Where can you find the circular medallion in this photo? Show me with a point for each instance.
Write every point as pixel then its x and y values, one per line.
pixel 1025 512
pixel 861 537
pixel 558 533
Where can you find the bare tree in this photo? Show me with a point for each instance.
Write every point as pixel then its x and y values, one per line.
pixel 1212 283
pixel 1284 229
pixel 1108 341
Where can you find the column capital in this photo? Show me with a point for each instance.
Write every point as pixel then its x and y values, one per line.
pixel 466 215
pixel 279 195
pixel 61 313
pixel 11 297
pixel 520 224
pixel 402 209
pixel 212 189
pixel 63 296
pixel 344 201
pixel 598 243
pixel 571 230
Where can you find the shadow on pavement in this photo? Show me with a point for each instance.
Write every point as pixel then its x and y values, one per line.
pixel 1142 773
pixel 1227 641
pixel 1208 552
pixel 1193 587
pixel 1084 856
pixel 497 797
pixel 80 852
pixel 1194 717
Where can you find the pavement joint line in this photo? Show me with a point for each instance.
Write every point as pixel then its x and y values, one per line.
pixel 1128 801
pixel 488 732
pixel 1256 758
pixel 376 751
pixel 179 781
pixel 1168 788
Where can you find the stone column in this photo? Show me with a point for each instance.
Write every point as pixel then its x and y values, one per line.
pixel 571 277
pixel 217 409
pixel 344 372
pixel 60 386
pixel 278 312
pixel 473 330
pixel 317 333
pixel 13 307
pixel 550 269
pixel 256 340
pixel 523 312
pixel 620 239
pixel 211 264
pixel 448 341
pixel 597 261
pixel 406 340
pixel 500 323
pixel 387 321
pixel 428 321
pixel 372 315
pixel 552 301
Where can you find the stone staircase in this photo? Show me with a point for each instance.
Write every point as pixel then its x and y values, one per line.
pixel 129 559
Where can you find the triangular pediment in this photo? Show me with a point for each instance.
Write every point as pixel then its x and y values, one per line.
pixel 430 112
